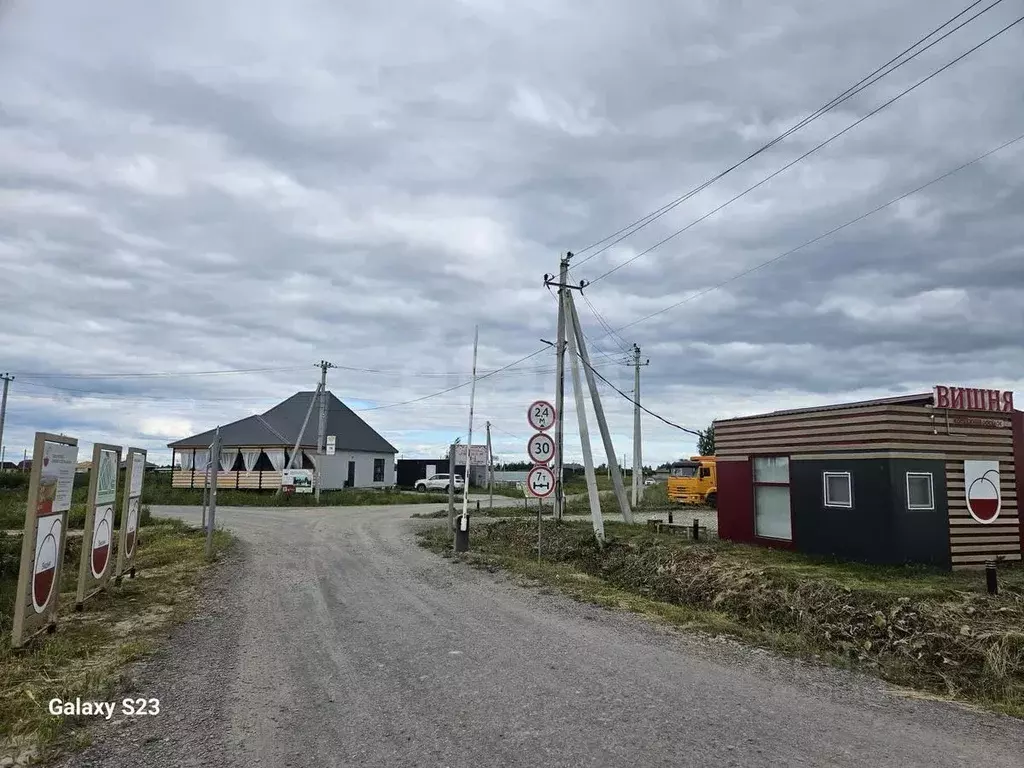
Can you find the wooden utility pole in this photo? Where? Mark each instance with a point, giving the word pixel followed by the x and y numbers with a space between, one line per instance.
pixel 451 486
pixel 609 449
pixel 464 523
pixel 563 276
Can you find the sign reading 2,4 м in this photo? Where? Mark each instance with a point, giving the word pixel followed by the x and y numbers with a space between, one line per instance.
pixel 541 415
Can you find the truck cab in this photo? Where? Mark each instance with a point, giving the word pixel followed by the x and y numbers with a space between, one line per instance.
pixel 694 481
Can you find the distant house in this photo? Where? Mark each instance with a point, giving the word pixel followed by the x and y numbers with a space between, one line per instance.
pixel 25 465
pixel 256 449
pixel 8 466
pixel 82 467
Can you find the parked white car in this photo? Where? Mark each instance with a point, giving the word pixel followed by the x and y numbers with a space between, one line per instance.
pixel 439 483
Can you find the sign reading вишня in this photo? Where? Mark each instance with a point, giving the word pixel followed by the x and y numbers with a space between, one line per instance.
pixel 965 399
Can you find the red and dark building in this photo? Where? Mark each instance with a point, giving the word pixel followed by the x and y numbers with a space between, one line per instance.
pixel 931 478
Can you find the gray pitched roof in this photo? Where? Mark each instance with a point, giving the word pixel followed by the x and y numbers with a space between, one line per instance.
pixel 279 427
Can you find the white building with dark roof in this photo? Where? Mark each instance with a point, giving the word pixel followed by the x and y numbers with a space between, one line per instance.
pixel 256 449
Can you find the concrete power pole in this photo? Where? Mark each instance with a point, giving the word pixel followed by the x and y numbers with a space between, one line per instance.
pixel 490 467
pixel 321 432
pixel 563 276
pixel 638 455
pixel 7 378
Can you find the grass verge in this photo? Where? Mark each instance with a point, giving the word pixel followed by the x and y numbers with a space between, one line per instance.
pixel 87 656
pixel 919 628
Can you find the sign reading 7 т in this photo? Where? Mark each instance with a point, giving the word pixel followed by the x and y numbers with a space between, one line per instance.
pixel 541 415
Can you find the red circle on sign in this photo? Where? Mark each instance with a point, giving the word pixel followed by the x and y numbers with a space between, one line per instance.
pixel 543 489
pixel 541 448
pixel 541 415
pixel 983 500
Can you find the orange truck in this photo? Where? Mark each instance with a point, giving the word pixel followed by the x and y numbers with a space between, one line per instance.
pixel 694 481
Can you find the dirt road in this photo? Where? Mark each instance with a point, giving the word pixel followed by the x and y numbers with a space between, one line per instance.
pixel 333 640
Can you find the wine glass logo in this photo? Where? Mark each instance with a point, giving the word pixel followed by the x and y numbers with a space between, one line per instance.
pixel 983 496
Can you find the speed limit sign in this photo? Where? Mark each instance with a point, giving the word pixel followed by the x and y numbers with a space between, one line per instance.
pixel 541 415
pixel 541 448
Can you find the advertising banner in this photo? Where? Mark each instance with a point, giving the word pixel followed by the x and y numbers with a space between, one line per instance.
pixel 95 567
pixel 42 549
pixel 135 466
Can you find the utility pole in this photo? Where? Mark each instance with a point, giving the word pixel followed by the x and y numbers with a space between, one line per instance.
pixel 581 416
pixel 451 486
pixel 7 378
pixel 638 455
pixel 602 423
pixel 563 276
pixel 490 467
pixel 464 522
pixel 215 470
pixel 321 434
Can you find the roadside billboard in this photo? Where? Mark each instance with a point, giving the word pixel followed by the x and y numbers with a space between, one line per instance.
pixel 42 547
pixel 135 468
pixel 94 569
pixel 297 481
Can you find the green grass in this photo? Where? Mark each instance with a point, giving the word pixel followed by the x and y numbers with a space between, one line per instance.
pixel 87 655
pixel 916 627
pixel 157 490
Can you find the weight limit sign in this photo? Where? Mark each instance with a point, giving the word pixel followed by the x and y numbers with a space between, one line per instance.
pixel 540 482
pixel 541 448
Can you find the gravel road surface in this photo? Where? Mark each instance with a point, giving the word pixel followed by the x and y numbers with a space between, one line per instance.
pixel 333 640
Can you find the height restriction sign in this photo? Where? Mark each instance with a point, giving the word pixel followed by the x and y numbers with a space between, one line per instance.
pixel 541 415
pixel 540 482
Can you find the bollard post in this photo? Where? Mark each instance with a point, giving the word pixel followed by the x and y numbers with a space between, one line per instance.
pixel 462 533
pixel 991 578
pixel 670 515
pixel 478 506
pixel 696 528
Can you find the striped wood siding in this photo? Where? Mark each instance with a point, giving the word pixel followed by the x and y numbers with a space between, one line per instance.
pixel 972 543
pixel 183 478
pixel 894 431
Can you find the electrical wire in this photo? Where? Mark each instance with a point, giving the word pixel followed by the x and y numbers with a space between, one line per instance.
pixel 636 226
pixel 811 151
pixel 829 233
pixel 634 402
pixel 163 374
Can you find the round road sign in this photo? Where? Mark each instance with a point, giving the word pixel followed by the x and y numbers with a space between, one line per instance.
pixel 540 482
pixel 541 448
pixel 541 415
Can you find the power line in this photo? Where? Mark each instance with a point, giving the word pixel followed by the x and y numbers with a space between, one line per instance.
pixel 634 402
pixel 849 93
pixel 824 235
pixel 810 152
pixel 163 374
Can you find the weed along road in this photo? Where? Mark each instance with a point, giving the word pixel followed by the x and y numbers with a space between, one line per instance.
pixel 333 639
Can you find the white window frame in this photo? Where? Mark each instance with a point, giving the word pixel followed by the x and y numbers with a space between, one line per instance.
pixel 849 484
pixel 931 492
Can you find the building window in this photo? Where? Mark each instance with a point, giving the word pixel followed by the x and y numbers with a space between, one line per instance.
pixel 772 518
pixel 919 491
pixel 378 470
pixel 838 489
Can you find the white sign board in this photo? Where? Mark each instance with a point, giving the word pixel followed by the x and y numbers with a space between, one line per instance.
pixel 298 480
pixel 477 455
pixel 541 448
pixel 541 415
pixel 984 498
pixel 332 441
pixel 540 483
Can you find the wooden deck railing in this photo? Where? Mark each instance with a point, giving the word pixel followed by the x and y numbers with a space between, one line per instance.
pixel 183 478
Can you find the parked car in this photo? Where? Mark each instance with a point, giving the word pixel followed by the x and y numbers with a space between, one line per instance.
pixel 439 483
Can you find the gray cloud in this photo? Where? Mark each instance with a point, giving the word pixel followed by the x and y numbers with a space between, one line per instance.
pixel 196 187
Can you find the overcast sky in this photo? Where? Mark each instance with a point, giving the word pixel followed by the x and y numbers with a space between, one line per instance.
pixel 197 186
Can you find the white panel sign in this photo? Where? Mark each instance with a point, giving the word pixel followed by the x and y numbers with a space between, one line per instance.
pixel 331 443
pixel 477 455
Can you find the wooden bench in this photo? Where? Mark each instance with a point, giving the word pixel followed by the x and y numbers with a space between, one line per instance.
pixel 682 529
